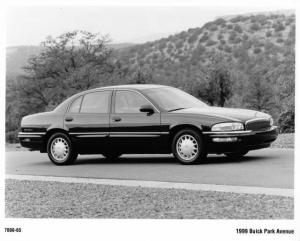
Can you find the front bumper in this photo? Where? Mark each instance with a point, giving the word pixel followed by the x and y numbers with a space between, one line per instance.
pixel 235 141
pixel 32 140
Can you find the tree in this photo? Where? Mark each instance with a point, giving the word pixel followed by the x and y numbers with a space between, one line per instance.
pixel 141 75
pixel 72 62
pixel 259 93
pixel 218 85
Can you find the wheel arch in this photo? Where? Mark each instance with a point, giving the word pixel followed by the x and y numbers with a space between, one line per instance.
pixel 176 128
pixel 49 133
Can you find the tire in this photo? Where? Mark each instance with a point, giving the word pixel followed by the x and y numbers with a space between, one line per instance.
pixel 61 150
pixel 188 147
pixel 112 155
pixel 236 155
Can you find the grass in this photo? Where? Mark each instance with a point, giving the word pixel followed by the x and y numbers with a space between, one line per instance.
pixel 36 199
pixel 284 141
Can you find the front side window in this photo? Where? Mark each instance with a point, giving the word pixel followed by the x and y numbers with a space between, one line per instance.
pixel 96 102
pixel 129 102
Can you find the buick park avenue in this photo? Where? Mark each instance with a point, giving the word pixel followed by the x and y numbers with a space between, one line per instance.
pixel 133 119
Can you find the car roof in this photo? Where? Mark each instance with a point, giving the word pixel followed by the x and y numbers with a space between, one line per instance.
pixel 132 86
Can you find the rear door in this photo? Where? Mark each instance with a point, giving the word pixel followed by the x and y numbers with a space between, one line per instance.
pixel 132 131
pixel 87 121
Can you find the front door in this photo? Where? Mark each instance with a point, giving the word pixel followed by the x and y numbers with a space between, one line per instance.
pixel 87 121
pixel 132 131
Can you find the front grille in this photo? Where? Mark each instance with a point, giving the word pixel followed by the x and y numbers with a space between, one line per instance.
pixel 258 124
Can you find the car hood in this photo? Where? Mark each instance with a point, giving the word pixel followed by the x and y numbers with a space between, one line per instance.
pixel 233 114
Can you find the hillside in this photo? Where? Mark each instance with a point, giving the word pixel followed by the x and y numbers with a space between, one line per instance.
pixel 238 37
pixel 17 57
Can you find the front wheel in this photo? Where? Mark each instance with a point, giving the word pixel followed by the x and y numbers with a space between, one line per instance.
pixel 61 150
pixel 188 147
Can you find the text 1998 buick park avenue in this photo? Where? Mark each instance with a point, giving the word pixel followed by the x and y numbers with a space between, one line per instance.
pixel 144 119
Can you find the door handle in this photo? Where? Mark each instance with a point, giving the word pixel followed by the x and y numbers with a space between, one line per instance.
pixel 69 119
pixel 116 119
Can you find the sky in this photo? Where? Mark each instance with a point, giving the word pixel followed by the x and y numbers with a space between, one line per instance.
pixel 30 25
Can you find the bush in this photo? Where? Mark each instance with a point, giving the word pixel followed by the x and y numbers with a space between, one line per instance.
pixel 238 19
pixel 232 36
pixel 268 34
pixel 210 42
pixel 238 28
pixel 12 136
pixel 204 38
pixel 213 28
pixel 229 26
pixel 257 50
pixel 227 49
pixel 286 121
pixel 278 26
pixel 193 38
pixel 255 27
pixel 221 22
pixel 245 37
pixel 279 40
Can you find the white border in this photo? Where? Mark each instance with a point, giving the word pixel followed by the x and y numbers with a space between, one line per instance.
pixel 48 229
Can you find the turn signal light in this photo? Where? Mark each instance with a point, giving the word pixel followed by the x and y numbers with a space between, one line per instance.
pixel 225 139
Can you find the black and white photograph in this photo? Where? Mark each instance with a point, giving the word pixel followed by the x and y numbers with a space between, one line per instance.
pixel 147 117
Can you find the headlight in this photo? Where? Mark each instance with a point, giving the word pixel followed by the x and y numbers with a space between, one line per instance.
pixel 229 126
pixel 271 121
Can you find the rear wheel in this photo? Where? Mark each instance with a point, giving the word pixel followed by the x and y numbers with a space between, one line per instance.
pixel 188 147
pixel 61 150
pixel 235 155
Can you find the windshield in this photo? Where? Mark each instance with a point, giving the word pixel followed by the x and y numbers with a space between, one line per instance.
pixel 171 99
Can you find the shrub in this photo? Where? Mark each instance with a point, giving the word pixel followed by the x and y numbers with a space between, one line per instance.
pixel 229 26
pixel 193 38
pixel 213 28
pixel 279 40
pixel 237 40
pixel 286 121
pixel 179 44
pixel 204 38
pixel 256 50
pixel 232 36
pixel 227 49
pixel 255 26
pixel 210 42
pixel 268 34
pixel 12 136
pixel 278 26
pixel 245 37
pixel 238 28
pixel 222 41
pixel 220 47
pixel 238 19
pixel 220 21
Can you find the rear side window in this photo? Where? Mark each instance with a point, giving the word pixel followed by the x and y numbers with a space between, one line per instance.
pixel 75 107
pixel 96 102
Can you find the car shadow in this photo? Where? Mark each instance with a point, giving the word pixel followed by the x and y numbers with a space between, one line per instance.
pixel 83 160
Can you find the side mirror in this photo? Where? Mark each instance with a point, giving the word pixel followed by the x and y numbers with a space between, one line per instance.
pixel 147 108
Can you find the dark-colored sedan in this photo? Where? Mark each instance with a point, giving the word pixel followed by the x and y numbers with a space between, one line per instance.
pixel 144 119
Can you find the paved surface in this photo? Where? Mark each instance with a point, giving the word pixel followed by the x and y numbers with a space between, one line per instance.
pixel 271 168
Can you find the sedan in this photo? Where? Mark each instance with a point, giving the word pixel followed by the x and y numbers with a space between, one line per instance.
pixel 135 119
